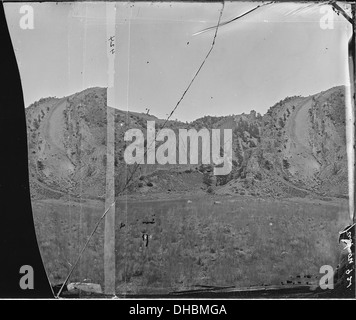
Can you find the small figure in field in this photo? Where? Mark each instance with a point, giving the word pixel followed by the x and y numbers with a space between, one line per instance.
pixel 145 239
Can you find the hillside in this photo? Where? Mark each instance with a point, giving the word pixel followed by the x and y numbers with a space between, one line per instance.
pixel 302 149
pixel 274 219
pixel 298 148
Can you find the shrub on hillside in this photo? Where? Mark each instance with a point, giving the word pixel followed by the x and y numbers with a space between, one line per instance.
pixel 40 165
pixel 286 164
pixel 210 190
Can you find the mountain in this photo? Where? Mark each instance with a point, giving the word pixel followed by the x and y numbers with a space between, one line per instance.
pixel 298 148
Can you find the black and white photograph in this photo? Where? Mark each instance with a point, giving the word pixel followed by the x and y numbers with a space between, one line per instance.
pixel 185 150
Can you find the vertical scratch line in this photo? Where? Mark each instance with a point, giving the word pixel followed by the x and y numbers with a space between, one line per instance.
pixel 109 224
pixel 127 109
pixel 127 181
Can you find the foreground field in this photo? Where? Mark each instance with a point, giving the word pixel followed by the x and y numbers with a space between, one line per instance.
pixel 225 241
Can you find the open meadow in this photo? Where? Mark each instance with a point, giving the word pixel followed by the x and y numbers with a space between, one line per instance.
pixel 179 244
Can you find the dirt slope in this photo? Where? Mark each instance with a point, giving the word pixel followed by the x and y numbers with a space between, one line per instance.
pixel 297 148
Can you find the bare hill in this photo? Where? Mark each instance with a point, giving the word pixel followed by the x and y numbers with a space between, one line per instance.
pixel 298 148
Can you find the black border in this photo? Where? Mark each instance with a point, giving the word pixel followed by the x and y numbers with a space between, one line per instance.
pixel 18 243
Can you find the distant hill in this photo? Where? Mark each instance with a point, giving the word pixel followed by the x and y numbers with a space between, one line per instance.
pixel 301 150
pixel 297 148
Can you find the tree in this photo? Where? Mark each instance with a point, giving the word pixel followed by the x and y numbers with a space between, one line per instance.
pixel 286 164
pixel 281 123
pixel 40 165
pixel 36 123
pixel 207 179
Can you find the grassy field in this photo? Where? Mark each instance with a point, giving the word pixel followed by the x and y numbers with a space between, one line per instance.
pixel 240 241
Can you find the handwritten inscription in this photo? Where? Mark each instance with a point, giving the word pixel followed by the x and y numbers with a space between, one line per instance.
pixel 350 259
pixel 112 44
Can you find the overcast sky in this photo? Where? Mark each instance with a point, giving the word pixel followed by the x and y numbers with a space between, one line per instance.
pixel 273 52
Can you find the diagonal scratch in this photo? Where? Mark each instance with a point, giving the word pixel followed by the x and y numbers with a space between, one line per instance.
pixel 181 98
pixel 147 148
pixel 340 10
pixel 202 64
pixel 234 19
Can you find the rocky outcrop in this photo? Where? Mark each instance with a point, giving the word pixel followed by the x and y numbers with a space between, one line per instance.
pixel 297 148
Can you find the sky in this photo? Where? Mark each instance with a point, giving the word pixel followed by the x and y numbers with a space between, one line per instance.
pixel 276 51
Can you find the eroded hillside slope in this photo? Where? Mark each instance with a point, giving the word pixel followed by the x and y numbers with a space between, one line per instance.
pixel 298 148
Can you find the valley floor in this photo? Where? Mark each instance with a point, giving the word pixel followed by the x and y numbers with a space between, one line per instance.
pixel 206 240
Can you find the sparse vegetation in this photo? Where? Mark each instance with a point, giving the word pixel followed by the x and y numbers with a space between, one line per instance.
pixel 40 165
pixel 286 164
pixel 210 189
pixel 200 243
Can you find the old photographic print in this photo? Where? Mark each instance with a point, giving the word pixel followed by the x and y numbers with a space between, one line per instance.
pixel 189 149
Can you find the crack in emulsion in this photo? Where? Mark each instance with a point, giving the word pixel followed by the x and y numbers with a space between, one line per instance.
pixel 351 53
pixel 180 100
pixel 234 19
pixel 137 165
